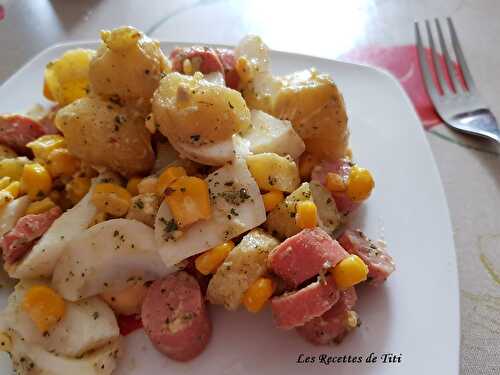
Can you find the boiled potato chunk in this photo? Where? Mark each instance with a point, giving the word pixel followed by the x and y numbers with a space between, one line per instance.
pixel 269 134
pixel 242 267
pixel 67 78
pixel 311 101
pixel 193 113
pixel 315 106
pixel 274 172
pixel 105 134
pixel 281 220
pixel 128 66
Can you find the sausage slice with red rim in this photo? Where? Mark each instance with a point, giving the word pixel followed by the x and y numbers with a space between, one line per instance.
pixel 175 317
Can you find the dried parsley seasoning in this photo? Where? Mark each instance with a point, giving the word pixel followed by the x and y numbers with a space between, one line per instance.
pixel 235 197
pixel 170 226
pixel 139 204
pixel 234 212
pixel 271 180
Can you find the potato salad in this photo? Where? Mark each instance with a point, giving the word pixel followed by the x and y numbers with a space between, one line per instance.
pixel 160 183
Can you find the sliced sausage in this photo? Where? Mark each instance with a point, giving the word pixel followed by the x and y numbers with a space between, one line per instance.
pixel 342 167
pixel 18 130
pixel 333 325
pixel 207 60
pixel 229 63
pixel 297 308
pixel 380 263
pixel 175 317
pixel 305 255
pixel 20 239
pixel 204 59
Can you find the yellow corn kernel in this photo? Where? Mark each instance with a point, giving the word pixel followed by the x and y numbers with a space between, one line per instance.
pixel 36 181
pixel 9 193
pixel 188 200
pixel 258 294
pixel 352 319
pixel 359 184
pixel 40 206
pixel 13 167
pixel 210 260
pixel 187 67
pixel 272 199
pixel 4 182
pixel 112 199
pixel 244 70
pixel 307 215
pixel 147 185
pixel 44 306
pixel 127 301
pixel 45 144
pixel 132 185
pixel 61 163
pixel 77 188
pixel 13 188
pixel 5 342
pixel 335 183
pixel 99 217
pixel 167 177
pixel 349 272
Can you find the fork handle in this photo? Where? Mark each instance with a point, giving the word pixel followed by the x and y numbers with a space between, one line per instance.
pixel 481 122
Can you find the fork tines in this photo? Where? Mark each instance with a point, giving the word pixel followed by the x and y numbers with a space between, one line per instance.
pixel 456 85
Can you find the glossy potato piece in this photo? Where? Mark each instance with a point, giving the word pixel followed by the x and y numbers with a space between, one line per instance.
pixel 242 267
pixel 128 66
pixel 281 220
pixel 316 109
pixel 192 112
pixel 67 78
pixel 105 134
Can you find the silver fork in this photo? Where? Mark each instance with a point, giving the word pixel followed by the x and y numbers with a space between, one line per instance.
pixel 460 107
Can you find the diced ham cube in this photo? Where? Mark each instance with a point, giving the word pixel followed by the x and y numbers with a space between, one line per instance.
pixel 18 130
pixel 380 263
pixel 294 309
pixel 332 326
pixel 342 167
pixel 20 239
pixel 305 255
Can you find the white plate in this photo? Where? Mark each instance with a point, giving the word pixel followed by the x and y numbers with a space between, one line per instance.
pixel 415 314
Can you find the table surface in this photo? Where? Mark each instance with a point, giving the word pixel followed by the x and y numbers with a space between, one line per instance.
pixel 377 32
